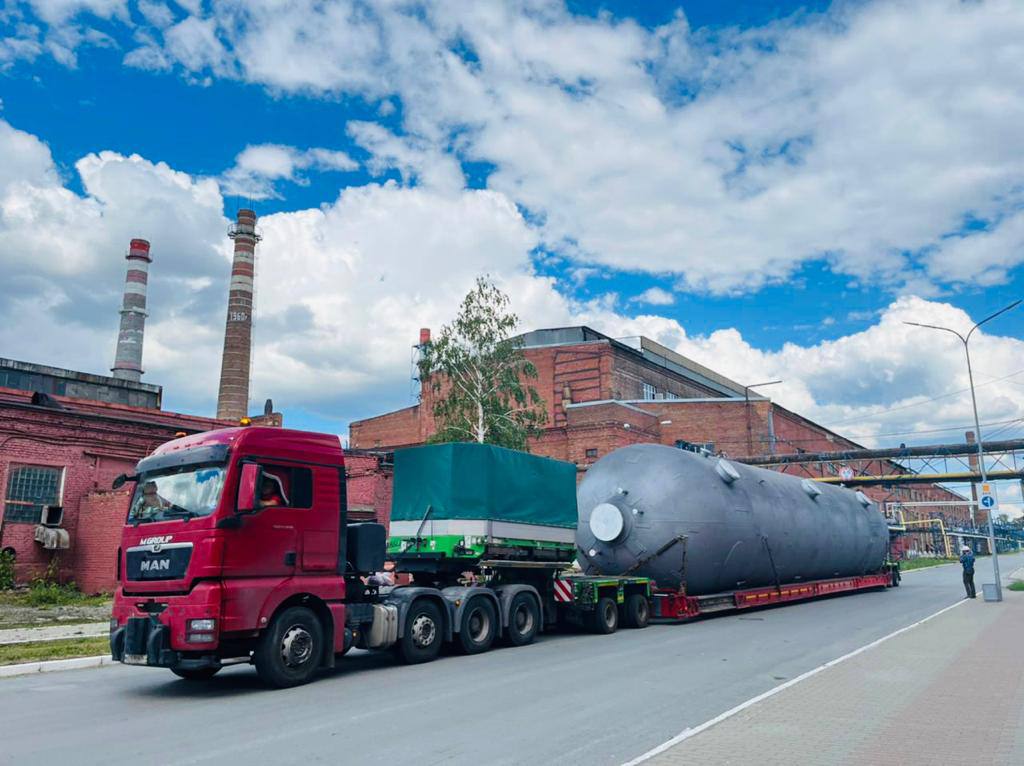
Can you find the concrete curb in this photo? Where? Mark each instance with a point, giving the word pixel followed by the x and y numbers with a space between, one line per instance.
pixel 49 666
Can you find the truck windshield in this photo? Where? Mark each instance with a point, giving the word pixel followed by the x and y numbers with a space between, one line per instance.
pixel 179 493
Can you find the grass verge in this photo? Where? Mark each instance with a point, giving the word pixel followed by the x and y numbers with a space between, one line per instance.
pixel 907 565
pixel 50 595
pixel 39 651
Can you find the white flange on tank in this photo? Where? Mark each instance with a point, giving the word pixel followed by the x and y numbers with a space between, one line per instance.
pixel 644 508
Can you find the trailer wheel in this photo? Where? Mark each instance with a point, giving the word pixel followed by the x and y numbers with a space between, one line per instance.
pixel 195 674
pixel 289 651
pixel 523 620
pixel 637 611
pixel 478 627
pixel 424 632
pixel 606 616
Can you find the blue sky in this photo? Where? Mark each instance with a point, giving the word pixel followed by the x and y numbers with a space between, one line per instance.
pixel 766 186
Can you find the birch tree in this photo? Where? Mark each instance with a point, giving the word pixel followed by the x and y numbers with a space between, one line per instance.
pixel 480 377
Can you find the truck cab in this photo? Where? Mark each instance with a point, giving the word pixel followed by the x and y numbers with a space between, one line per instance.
pixel 237 548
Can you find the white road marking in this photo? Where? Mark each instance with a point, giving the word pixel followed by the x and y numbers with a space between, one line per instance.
pixel 685 734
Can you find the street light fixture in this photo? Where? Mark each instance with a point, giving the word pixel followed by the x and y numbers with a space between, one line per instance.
pixel 746 400
pixel 965 339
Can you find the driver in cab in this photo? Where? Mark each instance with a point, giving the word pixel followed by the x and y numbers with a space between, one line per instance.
pixel 272 492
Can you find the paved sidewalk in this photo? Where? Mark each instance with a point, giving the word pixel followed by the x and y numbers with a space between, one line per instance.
pixel 950 691
pixel 53 632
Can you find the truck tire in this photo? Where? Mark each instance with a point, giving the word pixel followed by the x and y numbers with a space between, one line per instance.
pixel 637 611
pixel 195 674
pixel 523 620
pixel 605 618
pixel 423 635
pixel 289 651
pixel 478 627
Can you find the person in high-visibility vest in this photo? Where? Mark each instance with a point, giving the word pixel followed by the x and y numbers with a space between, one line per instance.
pixel 967 562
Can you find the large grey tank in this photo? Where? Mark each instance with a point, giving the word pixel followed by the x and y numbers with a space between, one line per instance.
pixel 744 527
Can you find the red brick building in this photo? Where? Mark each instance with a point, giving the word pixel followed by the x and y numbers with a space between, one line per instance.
pixel 602 394
pixel 64 436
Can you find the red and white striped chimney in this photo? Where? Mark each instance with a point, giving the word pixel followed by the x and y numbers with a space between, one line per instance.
pixel 128 357
pixel 233 395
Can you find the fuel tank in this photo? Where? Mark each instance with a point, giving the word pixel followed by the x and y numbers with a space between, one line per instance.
pixel 716 526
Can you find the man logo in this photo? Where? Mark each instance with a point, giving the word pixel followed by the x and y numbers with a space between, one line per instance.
pixel 155 565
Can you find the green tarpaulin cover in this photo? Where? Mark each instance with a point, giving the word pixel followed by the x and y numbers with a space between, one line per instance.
pixel 480 481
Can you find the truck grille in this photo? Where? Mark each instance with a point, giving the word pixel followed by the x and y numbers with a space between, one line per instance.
pixel 155 562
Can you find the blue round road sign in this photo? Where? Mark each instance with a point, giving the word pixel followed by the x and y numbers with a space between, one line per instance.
pixel 988 501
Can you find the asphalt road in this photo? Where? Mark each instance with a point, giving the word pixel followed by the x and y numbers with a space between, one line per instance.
pixel 566 699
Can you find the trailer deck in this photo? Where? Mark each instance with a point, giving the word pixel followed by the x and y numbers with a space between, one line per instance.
pixel 676 606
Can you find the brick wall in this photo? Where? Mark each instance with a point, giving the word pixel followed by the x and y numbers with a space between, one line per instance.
pixel 91 442
pixel 101 516
pixel 368 487
pixel 393 429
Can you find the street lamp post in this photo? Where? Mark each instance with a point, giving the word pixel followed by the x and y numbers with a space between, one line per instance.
pixel 965 339
pixel 746 400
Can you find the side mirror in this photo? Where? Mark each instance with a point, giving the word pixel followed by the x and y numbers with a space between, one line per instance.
pixel 248 488
pixel 121 480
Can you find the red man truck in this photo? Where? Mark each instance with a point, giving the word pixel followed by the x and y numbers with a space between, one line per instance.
pixel 237 549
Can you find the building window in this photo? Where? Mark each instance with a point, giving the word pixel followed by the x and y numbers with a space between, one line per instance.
pixel 698 447
pixel 649 391
pixel 592 452
pixel 29 488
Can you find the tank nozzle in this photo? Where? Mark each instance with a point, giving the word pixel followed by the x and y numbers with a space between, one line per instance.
pixel 606 522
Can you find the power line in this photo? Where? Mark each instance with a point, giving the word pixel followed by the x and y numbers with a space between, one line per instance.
pixel 939 430
pixel 918 404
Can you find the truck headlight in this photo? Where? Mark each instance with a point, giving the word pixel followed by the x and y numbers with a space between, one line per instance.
pixel 202 626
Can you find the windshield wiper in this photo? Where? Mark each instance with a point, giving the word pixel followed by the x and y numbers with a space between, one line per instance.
pixel 177 511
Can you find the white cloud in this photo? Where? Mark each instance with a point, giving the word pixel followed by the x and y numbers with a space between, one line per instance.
pixel 342 291
pixel 56 11
pixel 655 296
pixel 982 257
pixel 259 166
pixel 852 136
pixel 156 13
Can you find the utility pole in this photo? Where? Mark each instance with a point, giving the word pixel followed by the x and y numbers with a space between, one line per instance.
pixel 746 400
pixel 977 426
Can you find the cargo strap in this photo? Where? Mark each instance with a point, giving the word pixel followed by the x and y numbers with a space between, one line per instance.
pixel 771 560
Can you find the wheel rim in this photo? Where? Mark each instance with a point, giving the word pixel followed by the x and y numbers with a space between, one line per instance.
pixel 609 614
pixel 296 646
pixel 479 625
pixel 642 612
pixel 423 631
pixel 523 620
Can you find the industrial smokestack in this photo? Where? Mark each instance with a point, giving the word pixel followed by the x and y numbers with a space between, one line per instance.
pixel 233 395
pixel 128 357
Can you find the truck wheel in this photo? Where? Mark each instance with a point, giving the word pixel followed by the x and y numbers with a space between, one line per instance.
pixel 606 616
pixel 478 627
pixel 637 611
pixel 523 620
pixel 423 634
pixel 195 674
pixel 289 651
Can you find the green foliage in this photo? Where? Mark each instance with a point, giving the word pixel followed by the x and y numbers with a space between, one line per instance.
pixel 920 563
pixel 39 651
pixel 6 570
pixel 43 592
pixel 1016 585
pixel 479 375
